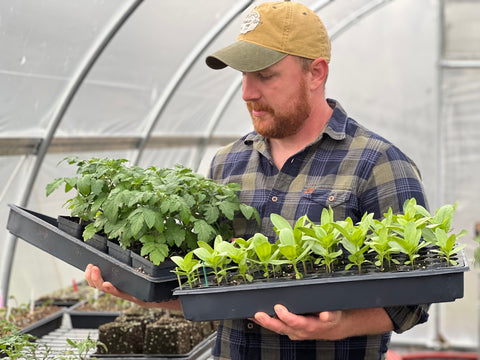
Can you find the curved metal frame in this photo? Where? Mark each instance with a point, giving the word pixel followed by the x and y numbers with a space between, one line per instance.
pixel 158 108
pixel 84 67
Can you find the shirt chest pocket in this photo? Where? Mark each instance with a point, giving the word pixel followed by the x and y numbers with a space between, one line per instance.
pixel 313 201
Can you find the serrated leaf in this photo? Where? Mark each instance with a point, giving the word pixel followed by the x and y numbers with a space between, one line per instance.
pixel 150 217
pixel 89 231
pixel 54 185
pixel 175 234
pixel 110 209
pixel 203 230
pixel 211 213
pixel 227 209
pixel 158 254
pixel 83 184
pixel 136 224
pixel 97 186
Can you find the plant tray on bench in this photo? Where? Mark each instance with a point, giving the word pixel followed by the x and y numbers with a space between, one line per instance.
pixel 344 290
pixel 42 231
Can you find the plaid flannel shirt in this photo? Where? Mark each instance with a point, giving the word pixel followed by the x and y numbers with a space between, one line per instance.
pixel 348 168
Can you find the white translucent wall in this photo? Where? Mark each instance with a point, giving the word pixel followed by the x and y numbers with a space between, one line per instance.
pixel 407 69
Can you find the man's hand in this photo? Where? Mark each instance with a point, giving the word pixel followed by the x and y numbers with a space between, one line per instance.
pixel 327 325
pixel 94 279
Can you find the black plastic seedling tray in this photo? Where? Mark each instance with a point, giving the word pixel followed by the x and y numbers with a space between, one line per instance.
pixel 201 351
pixel 325 293
pixel 52 332
pixel 42 231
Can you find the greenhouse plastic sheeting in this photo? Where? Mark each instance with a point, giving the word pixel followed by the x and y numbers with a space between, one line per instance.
pixel 127 79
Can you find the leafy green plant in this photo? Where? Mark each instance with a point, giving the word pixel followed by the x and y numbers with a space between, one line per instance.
pixel 237 252
pixel 410 243
pixel 387 238
pixel 186 266
pixel 380 238
pixel 159 211
pixel 96 178
pixel 324 240
pixel 354 239
pixel 16 345
pixel 412 212
pixel 214 258
pixel 267 254
pixel 81 348
pixel 476 252
pixel 446 244
pixel 291 244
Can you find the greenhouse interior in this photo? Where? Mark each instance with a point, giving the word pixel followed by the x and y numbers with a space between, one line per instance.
pixel 127 79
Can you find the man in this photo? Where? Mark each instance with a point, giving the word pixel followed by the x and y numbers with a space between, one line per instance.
pixel 304 155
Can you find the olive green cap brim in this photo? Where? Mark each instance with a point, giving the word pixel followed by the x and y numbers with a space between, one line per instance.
pixel 244 56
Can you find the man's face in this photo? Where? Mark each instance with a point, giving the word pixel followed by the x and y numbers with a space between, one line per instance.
pixel 277 98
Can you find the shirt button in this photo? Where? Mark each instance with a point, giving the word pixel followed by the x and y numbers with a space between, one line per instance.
pixel 274 198
pixel 250 326
pixel 331 198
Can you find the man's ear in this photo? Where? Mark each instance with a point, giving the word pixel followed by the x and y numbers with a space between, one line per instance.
pixel 319 73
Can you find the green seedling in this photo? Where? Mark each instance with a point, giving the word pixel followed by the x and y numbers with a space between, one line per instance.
pixel 441 220
pixel 353 240
pixel 267 254
pixel 188 267
pixel 238 255
pixel 213 258
pixel 412 212
pixel 411 242
pixel 82 348
pixel 379 240
pixel 446 244
pixel 324 245
pixel 15 345
pixel 324 240
pixel 291 242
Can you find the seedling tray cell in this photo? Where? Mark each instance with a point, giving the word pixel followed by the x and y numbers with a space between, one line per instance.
pixel 327 293
pixel 42 231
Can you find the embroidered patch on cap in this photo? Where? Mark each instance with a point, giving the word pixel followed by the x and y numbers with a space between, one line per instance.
pixel 250 22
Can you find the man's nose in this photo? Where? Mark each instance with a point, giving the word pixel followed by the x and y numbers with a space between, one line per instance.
pixel 250 90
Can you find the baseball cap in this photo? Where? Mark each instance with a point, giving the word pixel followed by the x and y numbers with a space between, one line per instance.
pixel 271 31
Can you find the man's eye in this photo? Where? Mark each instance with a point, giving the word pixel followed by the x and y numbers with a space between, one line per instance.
pixel 264 76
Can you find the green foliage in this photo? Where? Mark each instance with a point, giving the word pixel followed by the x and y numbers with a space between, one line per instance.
pixel 446 244
pixel 186 266
pixel 214 258
pixel 81 348
pixel 437 232
pixel 291 244
pixel 267 254
pixel 324 239
pixel 162 209
pixel 476 252
pixel 354 239
pixel 407 233
pixel 410 242
pixel 379 240
pixel 16 345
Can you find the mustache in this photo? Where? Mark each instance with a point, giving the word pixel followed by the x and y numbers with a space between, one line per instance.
pixel 251 105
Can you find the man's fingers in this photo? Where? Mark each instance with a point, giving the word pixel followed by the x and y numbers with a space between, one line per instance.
pixel 329 316
pixel 88 275
pixel 270 323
